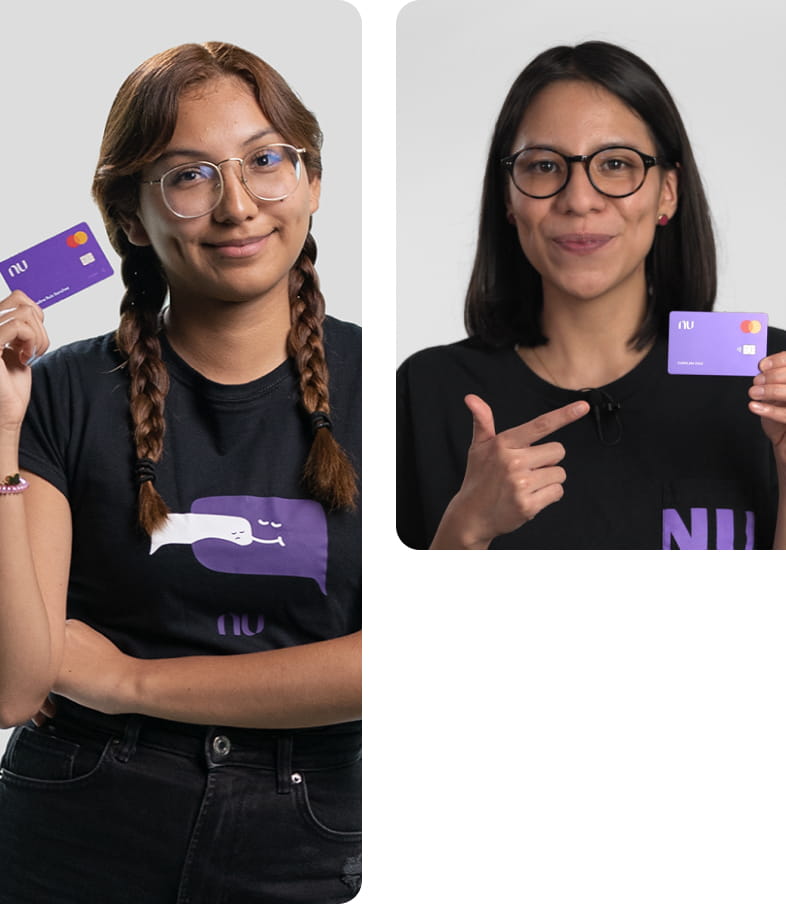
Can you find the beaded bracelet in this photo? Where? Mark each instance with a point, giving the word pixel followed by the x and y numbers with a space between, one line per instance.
pixel 13 484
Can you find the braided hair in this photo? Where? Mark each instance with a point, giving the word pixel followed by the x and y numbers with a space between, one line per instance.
pixel 140 124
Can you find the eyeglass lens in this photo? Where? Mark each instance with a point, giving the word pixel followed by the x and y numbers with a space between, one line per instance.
pixel 540 172
pixel 269 173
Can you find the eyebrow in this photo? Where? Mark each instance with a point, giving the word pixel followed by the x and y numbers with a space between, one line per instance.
pixel 201 155
pixel 605 145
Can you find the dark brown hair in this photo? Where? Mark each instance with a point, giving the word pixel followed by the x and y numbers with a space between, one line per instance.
pixel 505 296
pixel 140 124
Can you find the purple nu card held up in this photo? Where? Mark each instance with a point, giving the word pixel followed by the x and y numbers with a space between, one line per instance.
pixel 58 267
pixel 716 343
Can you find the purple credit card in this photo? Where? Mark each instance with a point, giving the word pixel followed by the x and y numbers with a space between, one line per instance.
pixel 58 267
pixel 716 343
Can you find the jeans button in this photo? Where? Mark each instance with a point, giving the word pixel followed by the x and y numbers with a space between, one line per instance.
pixel 221 746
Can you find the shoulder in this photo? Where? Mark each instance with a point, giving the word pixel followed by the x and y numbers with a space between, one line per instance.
pixel 342 337
pixel 469 354
pixel 343 356
pixel 98 354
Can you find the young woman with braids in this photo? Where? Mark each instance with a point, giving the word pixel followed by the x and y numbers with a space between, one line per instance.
pixel 181 551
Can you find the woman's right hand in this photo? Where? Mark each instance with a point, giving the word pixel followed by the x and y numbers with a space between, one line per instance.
pixel 508 479
pixel 22 338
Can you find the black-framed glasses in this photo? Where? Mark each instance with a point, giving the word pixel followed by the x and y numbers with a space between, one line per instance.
pixel 616 172
pixel 269 173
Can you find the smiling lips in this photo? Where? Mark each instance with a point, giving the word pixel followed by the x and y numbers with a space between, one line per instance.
pixel 240 247
pixel 581 242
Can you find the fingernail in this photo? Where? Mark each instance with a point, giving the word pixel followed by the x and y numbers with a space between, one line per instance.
pixel 757 392
pixel 765 364
pixel 7 311
pixel 7 320
pixel 757 408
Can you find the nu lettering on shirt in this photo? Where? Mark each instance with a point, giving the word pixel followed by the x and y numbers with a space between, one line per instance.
pixel 708 528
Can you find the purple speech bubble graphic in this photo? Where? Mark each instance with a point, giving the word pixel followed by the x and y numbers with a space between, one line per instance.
pixel 253 535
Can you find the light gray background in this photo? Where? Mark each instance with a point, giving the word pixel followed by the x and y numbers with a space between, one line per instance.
pixel 59 75
pixel 60 68
pixel 456 62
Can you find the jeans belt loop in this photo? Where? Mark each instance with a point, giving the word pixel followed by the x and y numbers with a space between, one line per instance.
pixel 284 764
pixel 130 738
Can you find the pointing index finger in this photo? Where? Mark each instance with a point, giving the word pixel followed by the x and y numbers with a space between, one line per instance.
pixel 540 427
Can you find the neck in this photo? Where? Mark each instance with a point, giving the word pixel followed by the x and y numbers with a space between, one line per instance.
pixel 589 341
pixel 230 343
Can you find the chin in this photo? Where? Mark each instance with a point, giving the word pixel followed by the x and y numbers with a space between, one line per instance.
pixel 582 294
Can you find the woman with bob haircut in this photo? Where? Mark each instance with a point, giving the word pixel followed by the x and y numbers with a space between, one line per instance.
pixel 593 228
pixel 179 527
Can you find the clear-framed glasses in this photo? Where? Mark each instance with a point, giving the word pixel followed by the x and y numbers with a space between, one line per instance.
pixel 269 173
pixel 615 172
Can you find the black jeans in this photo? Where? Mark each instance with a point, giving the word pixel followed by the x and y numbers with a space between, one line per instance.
pixel 133 810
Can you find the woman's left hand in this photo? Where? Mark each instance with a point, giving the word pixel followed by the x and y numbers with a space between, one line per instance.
pixel 94 672
pixel 768 399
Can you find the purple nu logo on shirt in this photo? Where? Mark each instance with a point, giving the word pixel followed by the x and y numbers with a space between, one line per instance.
pixel 252 535
pixel 733 530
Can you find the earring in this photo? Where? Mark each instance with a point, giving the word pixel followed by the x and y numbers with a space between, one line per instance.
pixel 663 220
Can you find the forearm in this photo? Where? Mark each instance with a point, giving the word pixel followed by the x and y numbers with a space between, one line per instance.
pixel 779 542
pixel 456 532
pixel 28 648
pixel 26 666
pixel 295 687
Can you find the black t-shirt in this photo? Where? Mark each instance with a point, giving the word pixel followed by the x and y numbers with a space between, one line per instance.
pixel 246 562
pixel 681 463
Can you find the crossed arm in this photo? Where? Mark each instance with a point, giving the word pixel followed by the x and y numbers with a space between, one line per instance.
pixel 313 684
pixel 40 651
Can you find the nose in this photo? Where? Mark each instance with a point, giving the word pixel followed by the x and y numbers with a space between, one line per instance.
pixel 237 203
pixel 580 196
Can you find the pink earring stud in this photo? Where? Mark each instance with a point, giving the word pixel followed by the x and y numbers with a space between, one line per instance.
pixel 663 220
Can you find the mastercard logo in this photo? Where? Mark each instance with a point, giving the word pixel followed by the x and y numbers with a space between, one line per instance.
pixel 76 239
pixel 750 326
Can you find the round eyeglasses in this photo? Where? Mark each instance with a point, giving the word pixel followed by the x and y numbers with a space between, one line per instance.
pixel 615 172
pixel 270 173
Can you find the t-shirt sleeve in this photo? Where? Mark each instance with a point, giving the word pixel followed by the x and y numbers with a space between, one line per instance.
pixel 409 511
pixel 47 426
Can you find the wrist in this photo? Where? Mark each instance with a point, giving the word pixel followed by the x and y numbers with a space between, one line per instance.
pixel 457 530
pixel 130 691
pixel 9 448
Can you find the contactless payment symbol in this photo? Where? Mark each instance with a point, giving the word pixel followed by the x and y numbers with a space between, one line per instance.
pixel 57 267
